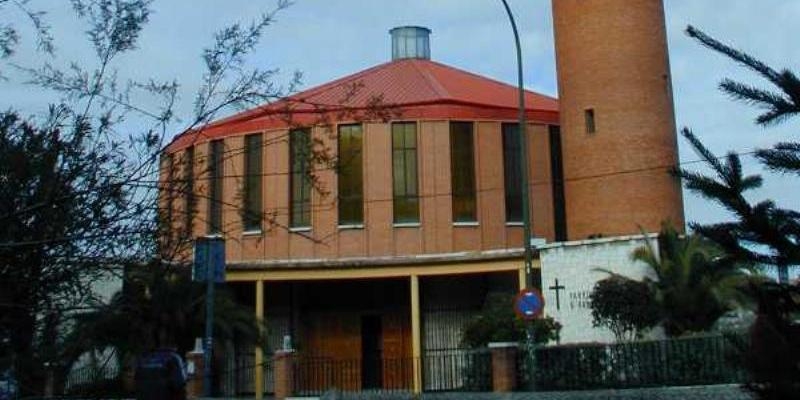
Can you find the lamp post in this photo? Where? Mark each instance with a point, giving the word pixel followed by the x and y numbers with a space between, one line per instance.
pixel 526 220
pixel 523 143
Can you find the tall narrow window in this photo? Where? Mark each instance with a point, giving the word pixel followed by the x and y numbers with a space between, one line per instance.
pixel 557 172
pixel 300 190
pixel 188 191
pixel 351 175
pixel 169 192
pixel 590 122
pixel 462 172
pixel 512 172
pixel 404 172
pixel 251 217
pixel 216 171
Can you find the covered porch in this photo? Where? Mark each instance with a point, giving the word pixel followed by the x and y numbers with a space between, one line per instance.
pixel 369 328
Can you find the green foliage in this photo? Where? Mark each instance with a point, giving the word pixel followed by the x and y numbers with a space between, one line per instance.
pixel 694 283
pixel 772 353
pixel 689 361
pixel 161 307
pixel 779 105
pixel 762 233
pixel 79 197
pixel 497 322
pixel 63 215
pixel 624 306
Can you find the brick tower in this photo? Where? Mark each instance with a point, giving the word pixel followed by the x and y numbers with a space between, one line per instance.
pixel 617 117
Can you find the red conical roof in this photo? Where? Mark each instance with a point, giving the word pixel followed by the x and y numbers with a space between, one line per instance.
pixel 409 88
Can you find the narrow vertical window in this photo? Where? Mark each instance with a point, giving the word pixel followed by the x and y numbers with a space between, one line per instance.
pixel 462 172
pixel 252 183
pixel 590 122
pixel 216 170
pixel 300 183
pixel 351 175
pixel 404 172
pixel 188 191
pixel 557 173
pixel 169 189
pixel 512 172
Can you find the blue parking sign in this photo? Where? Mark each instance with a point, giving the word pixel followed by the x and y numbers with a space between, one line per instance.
pixel 209 260
pixel 217 259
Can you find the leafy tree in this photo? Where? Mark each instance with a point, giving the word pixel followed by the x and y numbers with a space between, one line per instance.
pixel 762 233
pixel 497 322
pixel 694 282
pixel 624 306
pixel 14 10
pixel 78 188
pixel 63 213
pixel 95 203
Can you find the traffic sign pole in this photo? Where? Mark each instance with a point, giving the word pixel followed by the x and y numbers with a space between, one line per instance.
pixel 529 306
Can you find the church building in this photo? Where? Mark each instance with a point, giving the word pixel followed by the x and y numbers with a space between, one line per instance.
pixel 368 218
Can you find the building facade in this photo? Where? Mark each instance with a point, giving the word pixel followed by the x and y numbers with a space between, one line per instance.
pixel 368 218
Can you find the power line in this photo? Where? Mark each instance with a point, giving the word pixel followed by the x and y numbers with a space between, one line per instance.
pixel 275 212
pixel 666 168
pixel 281 211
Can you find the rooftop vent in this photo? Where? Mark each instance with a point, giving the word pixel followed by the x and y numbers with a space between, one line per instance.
pixel 411 42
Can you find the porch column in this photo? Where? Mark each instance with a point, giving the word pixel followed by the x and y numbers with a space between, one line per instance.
pixel 416 342
pixel 258 384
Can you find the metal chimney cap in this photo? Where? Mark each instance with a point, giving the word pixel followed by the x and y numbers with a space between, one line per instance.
pixel 410 42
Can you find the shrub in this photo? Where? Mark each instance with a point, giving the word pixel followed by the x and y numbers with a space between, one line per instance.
pixel 624 306
pixel 497 322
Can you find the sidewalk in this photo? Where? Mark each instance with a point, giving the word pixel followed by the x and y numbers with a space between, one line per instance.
pixel 728 392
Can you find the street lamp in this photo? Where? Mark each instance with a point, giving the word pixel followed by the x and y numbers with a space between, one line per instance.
pixel 523 143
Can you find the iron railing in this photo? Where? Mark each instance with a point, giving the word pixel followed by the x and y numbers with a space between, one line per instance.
pixel 442 371
pixel 457 370
pixel 703 360
pixel 707 360
pixel 235 379
pixel 313 376
pixel 92 381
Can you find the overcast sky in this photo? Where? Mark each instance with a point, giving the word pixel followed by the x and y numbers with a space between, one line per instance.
pixel 327 39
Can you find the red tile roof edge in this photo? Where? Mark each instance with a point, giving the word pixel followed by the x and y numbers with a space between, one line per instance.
pixel 258 114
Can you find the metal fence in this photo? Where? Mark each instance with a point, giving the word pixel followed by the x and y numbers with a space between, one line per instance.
pixel 709 360
pixel 704 360
pixel 314 376
pixel 459 370
pixel 93 381
pixel 238 378
pixel 455 370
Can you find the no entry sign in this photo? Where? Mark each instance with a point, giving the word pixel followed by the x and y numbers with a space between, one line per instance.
pixel 529 304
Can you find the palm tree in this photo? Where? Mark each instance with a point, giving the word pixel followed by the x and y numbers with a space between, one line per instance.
pixel 694 283
pixel 161 307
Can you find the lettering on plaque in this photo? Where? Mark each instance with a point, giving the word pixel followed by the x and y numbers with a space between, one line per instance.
pixel 580 299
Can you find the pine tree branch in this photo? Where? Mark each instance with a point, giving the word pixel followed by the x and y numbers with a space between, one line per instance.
pixel 783 157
